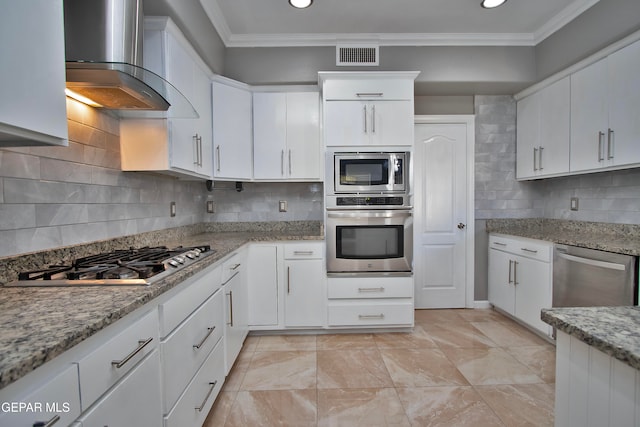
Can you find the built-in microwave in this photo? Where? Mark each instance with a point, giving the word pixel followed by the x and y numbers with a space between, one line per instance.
pixel 370 172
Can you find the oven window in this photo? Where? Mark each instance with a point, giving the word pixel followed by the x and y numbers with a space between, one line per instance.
pixel 370 242
pixel 364 171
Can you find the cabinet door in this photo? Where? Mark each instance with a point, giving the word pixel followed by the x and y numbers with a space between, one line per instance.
pixel 134 401
pixel 263 285
pixel 236 315
pixel 303 136
pixel 528 135
pixel 555 120
pixel 589 117
pixel 533 291
pixel 346 123
pixel 501 289
pixel 270 136
pixel 202 103
pixel 391 123
pixel 232 132
pixel 304 293
pixel 624 105
pixel 33 108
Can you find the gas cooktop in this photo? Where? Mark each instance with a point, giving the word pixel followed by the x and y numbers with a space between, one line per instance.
pixel 124 267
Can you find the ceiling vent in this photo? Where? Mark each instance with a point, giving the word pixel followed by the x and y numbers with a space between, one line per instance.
pixel 357 55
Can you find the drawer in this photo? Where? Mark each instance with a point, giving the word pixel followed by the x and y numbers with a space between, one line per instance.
pixel 530 248
pixel 188 346
pixel 134 401
pixel 363 89
pixel 198 398
pixel 370 313
pixel 59 397
pixel 372 287
pixel 180 306
pixel 304 251
pixel 231 266
pixel 98 371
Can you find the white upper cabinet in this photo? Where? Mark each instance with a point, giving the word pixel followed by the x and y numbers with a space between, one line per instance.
pixel 33 110
pixel 543 132
pixel 605 106
pixel 178 146
pixel 286 136
pixel 368 109
pixel 232 130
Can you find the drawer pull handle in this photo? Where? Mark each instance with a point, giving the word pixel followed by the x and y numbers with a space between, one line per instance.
pixel 197 346
pixel 371 316
pixel 235 267
pixel 49 423
pixel 380 289
pixel 141 344
pixel 204 402
pixel 370 94
pixel 303 252
pixel 532 251
pixel 230 294
pixel 499 243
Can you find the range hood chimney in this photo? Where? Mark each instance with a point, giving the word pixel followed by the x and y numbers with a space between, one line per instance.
pixel 103 44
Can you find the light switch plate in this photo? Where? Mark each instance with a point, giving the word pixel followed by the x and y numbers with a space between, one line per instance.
pixel 210 207
pixel 574 203
pixel 172 209
pixel 282 205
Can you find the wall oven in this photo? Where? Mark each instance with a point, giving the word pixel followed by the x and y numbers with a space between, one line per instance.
pixel 369 172
pixel 376 240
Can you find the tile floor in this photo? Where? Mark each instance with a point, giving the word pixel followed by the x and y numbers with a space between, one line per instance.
pixel 457 368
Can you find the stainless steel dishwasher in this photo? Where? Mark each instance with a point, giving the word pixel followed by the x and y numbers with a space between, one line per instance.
pixel 587 277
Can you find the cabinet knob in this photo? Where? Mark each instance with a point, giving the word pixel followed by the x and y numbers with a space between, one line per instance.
pixel 461 226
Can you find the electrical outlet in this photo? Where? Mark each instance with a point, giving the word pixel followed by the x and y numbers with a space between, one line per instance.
pixel 172 209
pixel 574 203
pixel 282 205
pixel 210 206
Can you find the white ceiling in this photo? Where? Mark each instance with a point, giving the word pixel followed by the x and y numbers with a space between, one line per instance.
pixel 253 23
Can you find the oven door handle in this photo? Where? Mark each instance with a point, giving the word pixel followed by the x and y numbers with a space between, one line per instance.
pixel 369 214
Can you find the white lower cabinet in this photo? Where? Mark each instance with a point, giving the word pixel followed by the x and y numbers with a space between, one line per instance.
pixel 304 293
pixel 370 301
pixel 134 401
pixel 57 402
pixel 262 281
pixel 194 404
pixel 236 316
pixel 184 351
pixel 520 275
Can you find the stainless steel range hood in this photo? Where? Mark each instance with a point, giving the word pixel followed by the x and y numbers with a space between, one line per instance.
pixel 103 43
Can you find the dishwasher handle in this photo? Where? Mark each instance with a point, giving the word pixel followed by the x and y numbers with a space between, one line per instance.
pixel 593 262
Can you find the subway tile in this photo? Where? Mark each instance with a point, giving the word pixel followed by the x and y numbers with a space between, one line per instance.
pixel 16 216
pixel 17 165
pixel 32 191
pixel 60 214
pixel 8 245
pixel 57 170
pixel 33 239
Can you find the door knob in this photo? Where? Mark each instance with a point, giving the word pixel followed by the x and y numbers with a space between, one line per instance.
pixel 461 226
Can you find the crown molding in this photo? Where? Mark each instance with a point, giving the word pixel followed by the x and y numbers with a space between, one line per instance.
pixel 565 16
pixel 382 39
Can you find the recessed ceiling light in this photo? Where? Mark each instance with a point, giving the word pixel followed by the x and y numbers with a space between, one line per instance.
pixel 300 4
pixel 490 4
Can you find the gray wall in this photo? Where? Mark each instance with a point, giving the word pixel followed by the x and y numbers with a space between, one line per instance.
pixel 258 201
pixel 58 196
pixel 604 23
pixel 443 70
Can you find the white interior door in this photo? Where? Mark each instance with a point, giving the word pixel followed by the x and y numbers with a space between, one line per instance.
pixel 442 221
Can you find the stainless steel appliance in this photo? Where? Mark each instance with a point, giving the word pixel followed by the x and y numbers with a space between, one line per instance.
pixel 375 240
pixel 126 267
pixel 587 277
pixel 369 172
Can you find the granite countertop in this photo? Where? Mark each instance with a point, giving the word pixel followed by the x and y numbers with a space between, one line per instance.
pixel 38 324
pixel 618 238
pixel 612 330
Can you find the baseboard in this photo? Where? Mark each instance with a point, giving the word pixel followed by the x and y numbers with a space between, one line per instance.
pixel 481 304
